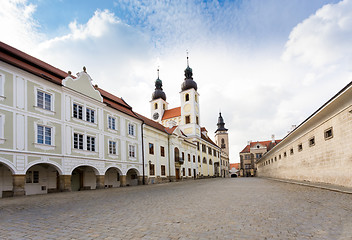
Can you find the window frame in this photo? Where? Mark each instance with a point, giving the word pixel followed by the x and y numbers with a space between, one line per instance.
pixel 131 129
pixel 132 151
pixel 151 148
pixel 44 137
pixel 162 151
pixel 112 147
pixel 330 129
pixel 112 122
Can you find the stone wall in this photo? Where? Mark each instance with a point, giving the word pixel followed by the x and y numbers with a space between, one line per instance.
pixel 327 159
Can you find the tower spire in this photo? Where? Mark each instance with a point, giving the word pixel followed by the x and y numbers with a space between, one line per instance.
pixel 158 72
pixel 187 59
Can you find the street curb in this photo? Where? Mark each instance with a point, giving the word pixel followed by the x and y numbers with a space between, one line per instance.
pixel 312 185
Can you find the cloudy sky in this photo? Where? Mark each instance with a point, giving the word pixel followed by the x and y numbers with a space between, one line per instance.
pixel 267 65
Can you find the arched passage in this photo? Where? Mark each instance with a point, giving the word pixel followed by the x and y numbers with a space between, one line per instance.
pixel 84 178
pixel 112 177
pixel 6 181
pixel 42 178
pixel 132 177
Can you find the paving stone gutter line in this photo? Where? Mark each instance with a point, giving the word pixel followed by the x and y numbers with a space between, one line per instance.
pixel 330 187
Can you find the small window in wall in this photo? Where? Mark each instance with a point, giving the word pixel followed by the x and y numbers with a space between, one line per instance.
pixel 197 120
pixel 300 147
pixel 131 151
pixel 188 119
pixel 163 172
pixel 151 169
pixel 328 134
pixel 189 172
pixel 183 172
pixel 204 160
pixel 151 148
pixel 155 106
pixel 32 177
pixel 189 157
pixel 210 162
pixel 90 113
pixel 279 156
pixel 43 100
pixel 198 146
pixel 285 154
pixel 196 98
pixel 112 147
pixel 77 111
pixel 204 148
pixel 275 159
pixel 209 150
pixel 187 97
pixel 162 151
pixel 194 158
pixel 90 143
pixel 183 156
pixel 131 130
pixel 312 142
pixel 199 159
pixel 214 152
pixel 112 123
pixel 291 151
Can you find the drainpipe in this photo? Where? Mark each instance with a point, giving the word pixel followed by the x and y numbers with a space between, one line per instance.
pixel 143 153
pixel 168 149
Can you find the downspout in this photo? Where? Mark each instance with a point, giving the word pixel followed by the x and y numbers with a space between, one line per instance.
pixel 168 149
pixel 143 153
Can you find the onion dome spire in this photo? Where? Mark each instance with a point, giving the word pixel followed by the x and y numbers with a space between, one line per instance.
pixel 158 93
pixel 221 124
pixel 188 83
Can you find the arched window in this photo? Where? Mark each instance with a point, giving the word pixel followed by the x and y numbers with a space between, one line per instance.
pixel 177 155
pixel 155 106
pixel 195 98
pixel 210 162
pixel 223 145
pixel 187 97
pixel 164 106
pixel 222 141
pixel 204 160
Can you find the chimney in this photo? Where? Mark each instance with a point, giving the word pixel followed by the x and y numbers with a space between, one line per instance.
pixel 273 138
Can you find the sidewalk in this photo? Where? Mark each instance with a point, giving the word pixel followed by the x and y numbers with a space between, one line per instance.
pixel 330 187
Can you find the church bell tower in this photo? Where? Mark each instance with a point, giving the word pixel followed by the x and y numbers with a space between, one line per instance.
pixel 221 135
pixel 158 104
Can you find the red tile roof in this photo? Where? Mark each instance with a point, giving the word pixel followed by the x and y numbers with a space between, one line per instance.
pixel 235 165
pixel 170 130
pixel 268 144
pixel 152 123
pixel 171 113
pixel 41 69
pixel 206 138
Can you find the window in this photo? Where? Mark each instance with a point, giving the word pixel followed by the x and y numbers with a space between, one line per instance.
pixel 183 156
pixel 197 120
pixel 210 162
pixel 112 147
pixel 112 123
pixel 247 166
pixel 196 98
pixel 163 170
pixel 194 158
pixel 187 97
pixel 189 172
pixel 258 155
pixel 275 159
pixel 285 155
pixel 90 115
pixel 279 156
pixel 131 151
pixel 91 143
pixel 43 100
pixel 209 150
pixel 32 177
pixel 183 172
pixel 131 129
pixel 162 151
pixel 223 145
pixel 291 151
pixel 198 146
pixel 328 133
pixel 189 157
pixel 151 169
pixel 204 160
pixel 199 159
pixel 204 148
pixel 300 147
pixel 187 119
pixel 77 111
pixel 177 155
pixel 151 148
pixel 78 141
pixel 312 142
pixel 155 106
pixel 214 152
pixel 164 106
pixel 44 135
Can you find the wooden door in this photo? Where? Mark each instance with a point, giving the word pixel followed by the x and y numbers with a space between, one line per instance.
pixel 177 173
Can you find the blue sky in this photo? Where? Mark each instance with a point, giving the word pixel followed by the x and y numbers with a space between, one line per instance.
pixel 266 64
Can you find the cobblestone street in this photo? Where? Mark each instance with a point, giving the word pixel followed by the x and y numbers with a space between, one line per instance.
pixel 242 208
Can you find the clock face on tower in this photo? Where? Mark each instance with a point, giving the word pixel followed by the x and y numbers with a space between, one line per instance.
pixel 155 116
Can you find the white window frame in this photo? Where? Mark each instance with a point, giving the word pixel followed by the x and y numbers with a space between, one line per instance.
pixel 44 100
pixel 2 87
pixel 132 149
pixel 73 110
pixel 112 147
pixel 90 143
pixel 78 142
pixel 90 115
pixel 133 131
pixel 2 128
pixel 112 123
pixel 43 145
pixel 44 134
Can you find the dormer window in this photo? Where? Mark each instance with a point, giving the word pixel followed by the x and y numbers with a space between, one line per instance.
pixel 187 97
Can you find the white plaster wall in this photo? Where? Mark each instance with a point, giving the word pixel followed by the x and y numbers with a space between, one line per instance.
pixel 5 179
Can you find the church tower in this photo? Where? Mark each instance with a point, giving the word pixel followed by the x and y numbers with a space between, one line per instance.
pixel 158 103
pixel 221 135
pixel 190 121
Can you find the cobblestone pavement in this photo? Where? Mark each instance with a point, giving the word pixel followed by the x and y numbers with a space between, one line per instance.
pixel 237 208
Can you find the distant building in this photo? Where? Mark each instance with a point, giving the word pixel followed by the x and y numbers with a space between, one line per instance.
pixel 234 169
pixel 252 153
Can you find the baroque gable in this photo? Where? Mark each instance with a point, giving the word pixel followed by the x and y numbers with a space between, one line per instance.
pixel 83 84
